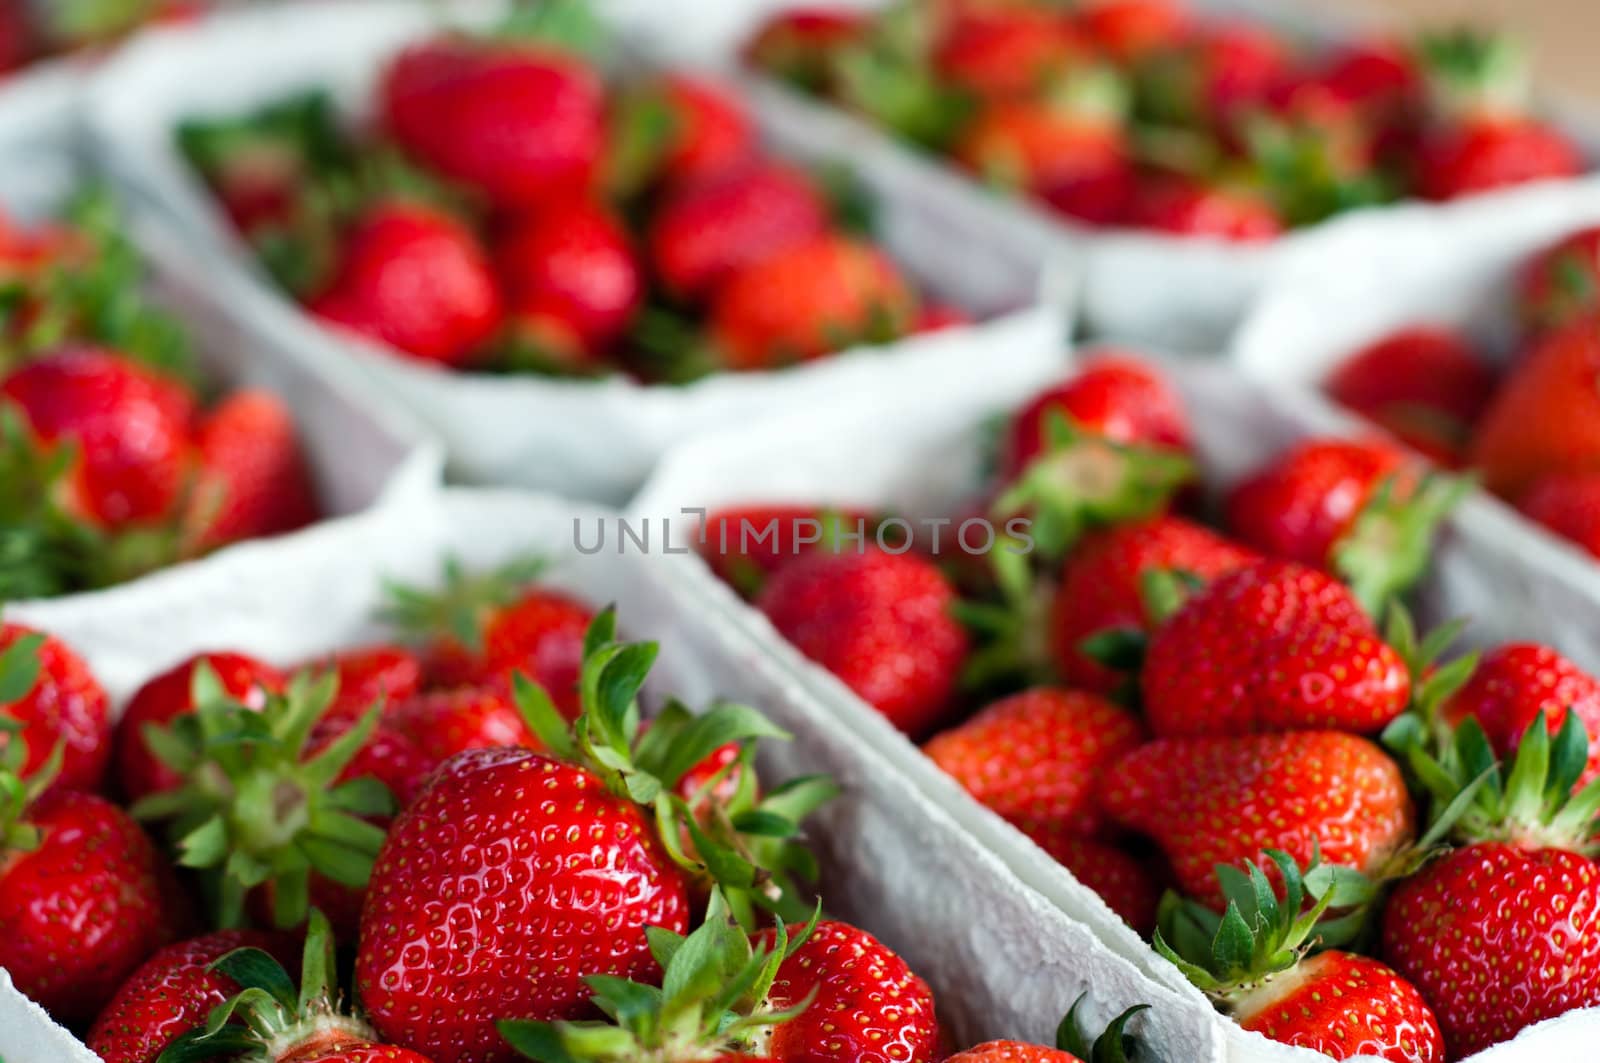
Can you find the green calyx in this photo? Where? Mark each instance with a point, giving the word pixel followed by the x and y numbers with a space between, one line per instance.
pixel 745 843
pixel 1114 1045
pixel 19 673
pixel 666 346
pixel 1311 175
pixel 1386 549
pixel 253 810
pixel 888 76
pixel 643 128
pixel 268 1019
pixel 565 25
pixel 1470 72
pixel 463 605
pixel 1084 481
pixel 1260 935
pixel 1012 633
pixel 712 1001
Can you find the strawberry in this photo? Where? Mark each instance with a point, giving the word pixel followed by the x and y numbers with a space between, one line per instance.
pixel 521 123
pixel 827 294
pixel 1073 1046
pixel 416 279
pixel 1546 416
pixel 706 230
pixel 1222 800
pixel 1252 963
pixel 1379 75
pixel 798 44
pixel 1116 396
pixel 1569 505
pixel 1121 879
pixel 169 696
pixel 1076 161
pixel 484 626
pixel 1006 51
pixel 1225 210
pixel 576 264
pixel 866 1005
pixel 745 545
pixel 380 673
pixel 1493 153
pixel 172 993
pixel 880 622
pixel 442 723
pixel 253 476
pixel 1101 593
pixel 55 702
pixel 1131 29
pixel 1514 684
pixel 129 424
pixel 1034 757
pixel 1273 646
pixel 675 130
pixel 1426 385
pixel 1211 76
pixel 1356 509
pixel 1561 283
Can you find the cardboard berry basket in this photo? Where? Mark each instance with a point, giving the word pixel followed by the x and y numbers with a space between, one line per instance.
pixel 1001 960
pixel 936 469
pixel 362 452
pixel 589 438
pixel 1186 294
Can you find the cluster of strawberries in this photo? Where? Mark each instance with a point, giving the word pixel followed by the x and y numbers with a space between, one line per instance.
pixel 1368 850
pixel 1533 434
pixel 518 862
pixel 1144 113
pixel 109 464
pixel 511 211
pixel 30 31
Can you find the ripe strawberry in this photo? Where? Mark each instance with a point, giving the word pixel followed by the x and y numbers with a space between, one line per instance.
pixel 57 702
pixel 869 1007
pixel 1225 210
pixel 1209 77
pixel 373 674
pixel 1513 684
pixel 1116 396
pixel 1493 153
pixel 1379 75
pixel 1131 29
pixel 1034 757
pixel 131 428
pixel 1073 1045
pixel 677 129
pixel 745 545
pixel 523 124
pixel 1569 505
pixel 1271 647
pixel 1006 51
pixel 1223 800
pixel 442 723
pixel 825 295
pixel 172 993
pixel 1101 593
pixel 1121 879
pixel 1343 1006
pixel 1356 509
pixel 706 230
pixel 416 279
pixel 880 622
pixel 1077 161
pixel 1426 385
pixel 253 477
pixel 798 45
pixel 169 696
pixel 1546 416
pixel 484 626
pixel 1561 283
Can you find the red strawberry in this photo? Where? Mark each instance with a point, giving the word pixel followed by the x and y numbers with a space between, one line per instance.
pixel 1130 29
pixel 389 755
pixel 373 674
pixel 416 279
pixel 170 695
pixel 1210 801
pixel 1188 207
pixel 442 723
pixel 1546 416
pixel 170 995
pixel 1076 161
pixel 1102 588
pixel 1513 684
pixel 827 294
pixel 745 545
pixel 1074 1046
pixel 1493 153
pixel 574 263
pixel 1426 385
pixel 683 129
pixel 64 705
pixel 1116 396
pixel 523 124
pixel 1006 51
pixel 1569 505
pixel 1212 76
pixel 130 425
pixel 1034 757
pixel 1121 880
pixel 253 477
pixel 1379 75
pixel 1343 1006
pixel 706 230
pixel 1561 283
pixel 1271 647
pixel 881 622
pixel 799 44
pixel 868 1007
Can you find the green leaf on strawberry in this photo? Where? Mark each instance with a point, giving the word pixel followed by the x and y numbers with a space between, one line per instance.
pixel 1114 1045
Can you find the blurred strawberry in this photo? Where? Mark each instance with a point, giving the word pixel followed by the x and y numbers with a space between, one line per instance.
pixel 1568 504
pixel 798 44
pixel 1115 395
pixel 745 545
pixel 253 478
pixel 1209 77
pixel 1006 51
pixel 1562 282
pixel 1075 160
pixel 674 129
pixel 1227 210
pixel 1131 29
pixel 371 674
pixel 65 707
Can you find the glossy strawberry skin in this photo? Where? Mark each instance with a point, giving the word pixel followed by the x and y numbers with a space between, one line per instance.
pixel 84 910
pixel 706 230
pixel 416 279
pixel 711 131
pixel 869 1006
pixel 169 995
pixel 1569 505
pixel 571 898
pixel 1101 586
pixel 68 706
pixel 254 479
pixel 131 427
pixel 881 622
pixel 1210 801
pixel 1271 647
pixel 1116 396
pixel 1034 757
pixel 540 635
pixel 165 698
pixel 1562 282
pixel 1012 1052
pixel 574 263
pixel 438 724
pixel 359 1053
pixel 370 675
pixel 1344 1006
pixel 1514 683
pixel 1490 154
pixel 1498 938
